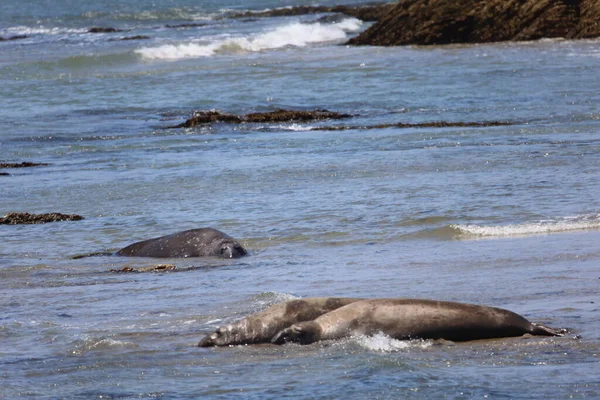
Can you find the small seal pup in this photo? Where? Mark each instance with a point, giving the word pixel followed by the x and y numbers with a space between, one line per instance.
pixel 192 243
pixel 412 319
pixel 260 327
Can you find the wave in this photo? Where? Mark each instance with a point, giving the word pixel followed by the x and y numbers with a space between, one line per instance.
pixel 531 228
pixel 473 231
pixel 169 14
pixel 295 34
pixel 92 344
pixel 41 30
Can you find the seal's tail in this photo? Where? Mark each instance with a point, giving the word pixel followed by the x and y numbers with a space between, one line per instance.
pixel 542 330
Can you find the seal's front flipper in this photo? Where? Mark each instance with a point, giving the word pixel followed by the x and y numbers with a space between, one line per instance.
pixel 542 330
pixel 291 334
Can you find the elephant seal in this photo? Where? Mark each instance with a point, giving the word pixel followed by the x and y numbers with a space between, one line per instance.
pixel 260 327
pixel 192 243
pixel 411 319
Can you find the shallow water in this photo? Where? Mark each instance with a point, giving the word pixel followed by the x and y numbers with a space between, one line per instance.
pixel 507 216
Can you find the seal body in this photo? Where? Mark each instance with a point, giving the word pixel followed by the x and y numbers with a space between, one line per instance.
pixel 412 319
pixel 261 327
pixel 192 243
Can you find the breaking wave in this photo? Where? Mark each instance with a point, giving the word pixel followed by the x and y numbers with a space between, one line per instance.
pixel 294 34
pixel 92 344
pixel 40 30
pixel 531 228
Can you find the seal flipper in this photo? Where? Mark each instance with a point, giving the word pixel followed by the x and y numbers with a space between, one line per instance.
pixel 303 333
pixel 291 334
pixel 542 330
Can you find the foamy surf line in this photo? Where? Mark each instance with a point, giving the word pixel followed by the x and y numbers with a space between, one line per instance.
pixel 380 342
pixel 527 229
pixel 294 34
pixel 40 30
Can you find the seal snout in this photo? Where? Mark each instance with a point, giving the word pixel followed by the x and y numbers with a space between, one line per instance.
pixel 208 340
pixel 232 250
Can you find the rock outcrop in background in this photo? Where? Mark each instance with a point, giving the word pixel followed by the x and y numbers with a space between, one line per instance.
pixel 427 22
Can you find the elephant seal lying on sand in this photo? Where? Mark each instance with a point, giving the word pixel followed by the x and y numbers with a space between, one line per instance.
pixel 192 243
pixel 260 327
pixel 411 319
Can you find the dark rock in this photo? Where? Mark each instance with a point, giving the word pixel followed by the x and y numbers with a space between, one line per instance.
pixel 187 25
pixel 24 164
pixel 4 174
pixel 365 12
pixel 97 29
pixel 208 117
pixel 154 268
pixel 26 218
pixel 291 115
pixel 428 22
pixel 137 37
pixel 434 124
pixel 16 37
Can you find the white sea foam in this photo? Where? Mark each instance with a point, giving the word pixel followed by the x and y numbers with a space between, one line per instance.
pixel 99 344
pixel 40 30
pixel 532 228
pixel 383 343
pixel 294 34
pixel 296 127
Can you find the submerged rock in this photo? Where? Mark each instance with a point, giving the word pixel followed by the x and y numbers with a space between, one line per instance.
pixel 427 22
pixel 24 164
pixel 208 117
pixel 433 124
pixel 26 218
pixel 16 37
pixel 137 37
pixel 154 268
pixel 186 25
pixel 291 115
pixel 99 29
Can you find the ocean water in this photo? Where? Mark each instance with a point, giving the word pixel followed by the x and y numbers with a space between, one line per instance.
pixel 507 216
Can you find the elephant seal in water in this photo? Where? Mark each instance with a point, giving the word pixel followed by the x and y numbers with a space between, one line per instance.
pixel 411 319
pixel 192 243
pixel 260 327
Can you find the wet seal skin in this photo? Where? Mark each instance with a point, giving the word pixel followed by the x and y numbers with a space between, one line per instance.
pixel 260 327
pixel 413 319
pixel 202 242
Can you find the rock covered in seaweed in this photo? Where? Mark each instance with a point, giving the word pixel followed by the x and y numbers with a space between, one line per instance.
pixel 208 117
pixel 27 218
pixel 24 164
pixel 427 22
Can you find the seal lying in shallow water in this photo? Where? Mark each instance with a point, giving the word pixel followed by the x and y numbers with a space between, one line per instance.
pixel 192 243
pixel 412 319
pixel 260 327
